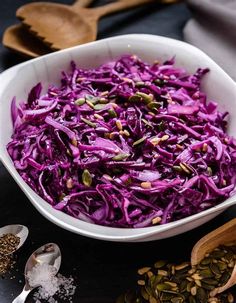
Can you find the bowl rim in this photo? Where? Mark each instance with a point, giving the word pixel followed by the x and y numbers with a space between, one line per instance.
pixel 138 233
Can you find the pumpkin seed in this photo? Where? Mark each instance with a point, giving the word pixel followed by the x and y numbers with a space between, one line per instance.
pixel 217 254
pixel 87 178
pixel 141 282
pixel 177 300
pixel 90 104
pixel 112 113
pixel 143 270
pixel 171 283
pixel 80 101
pixel 145 97
pixel 206 261
pixel 120 157
pixel 139 141
pixel 224 278
pixel 144 293
pixel 192 299
pixel 152 300
pixel 163 286
pixel 201 295
pixel 153 105
pixel 89 122
pixel 99 106
pixel 215 269
pixel 207 286
pixel 210 281
pixel 182 266
pixel 206 273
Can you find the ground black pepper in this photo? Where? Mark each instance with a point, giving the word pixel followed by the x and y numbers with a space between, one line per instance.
pixel 8 244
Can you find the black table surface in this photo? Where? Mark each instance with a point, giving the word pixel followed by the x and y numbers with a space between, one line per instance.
pixel 102 270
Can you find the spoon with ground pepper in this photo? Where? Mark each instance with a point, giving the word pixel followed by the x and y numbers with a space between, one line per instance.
pixel 224 235
pixel 12 237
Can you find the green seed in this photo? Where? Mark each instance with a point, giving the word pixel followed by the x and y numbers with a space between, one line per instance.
pixel 215 269
pixel 217 254
pixel 163 286
pixel 210 281
pixel 135 98
pixel 177 168
pixel 90 104
pixel 222 266
pixel 206 273
pixel 201 295
pixel 160 264
pixel 177 300
pixel 143 270
pixel 92 99
pixel 92 124
pixel 140 84
pixel 99 106
pixel 192 299
pixel 207 286
pixel 87 178
pixel 224 278
pixel 139 141
pixel 112 113
pixel 206 261
pixel 144 293
pixel 153 105
pixel 161 126
pixel 145 97
pixel 80 101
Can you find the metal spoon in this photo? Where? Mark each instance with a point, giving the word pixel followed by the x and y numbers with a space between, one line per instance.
pixel 225 234
pixel 18 230
pixel 50 254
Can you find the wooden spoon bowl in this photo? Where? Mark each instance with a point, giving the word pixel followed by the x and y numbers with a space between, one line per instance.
pixel 223 235
pixel 20 40
pixel 62 26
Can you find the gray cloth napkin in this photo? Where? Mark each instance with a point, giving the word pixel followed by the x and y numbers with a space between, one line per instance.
pixel 213 30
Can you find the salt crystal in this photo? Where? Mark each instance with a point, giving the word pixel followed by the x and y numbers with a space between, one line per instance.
pixel 44 275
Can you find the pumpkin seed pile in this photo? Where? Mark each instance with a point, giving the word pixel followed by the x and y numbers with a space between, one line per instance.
pixel 170 283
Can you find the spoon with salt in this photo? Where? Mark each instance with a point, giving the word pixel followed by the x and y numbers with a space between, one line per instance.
pixel 48 254
pixel 226 234
pixel 17 230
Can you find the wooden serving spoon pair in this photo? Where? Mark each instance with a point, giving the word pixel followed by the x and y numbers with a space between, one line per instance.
pixel 223 235
pixel 60 26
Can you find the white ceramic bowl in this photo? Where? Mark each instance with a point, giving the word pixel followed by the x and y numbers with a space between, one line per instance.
pixel 18 80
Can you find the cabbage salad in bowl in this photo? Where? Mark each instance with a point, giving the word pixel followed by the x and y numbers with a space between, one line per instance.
pixel 128 144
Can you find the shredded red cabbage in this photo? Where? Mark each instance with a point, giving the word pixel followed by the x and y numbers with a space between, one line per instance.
pixel 127 144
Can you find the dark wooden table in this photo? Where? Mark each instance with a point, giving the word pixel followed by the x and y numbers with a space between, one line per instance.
pixel 102 270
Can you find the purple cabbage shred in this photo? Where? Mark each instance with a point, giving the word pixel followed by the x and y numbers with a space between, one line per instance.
pixel 127 144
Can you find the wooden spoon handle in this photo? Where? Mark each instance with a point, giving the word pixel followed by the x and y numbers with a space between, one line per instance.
pixel 82 3
pixel 110 8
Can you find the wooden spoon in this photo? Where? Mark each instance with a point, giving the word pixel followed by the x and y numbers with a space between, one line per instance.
pixel 63 26
pixel 223 235
pixel 20 40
